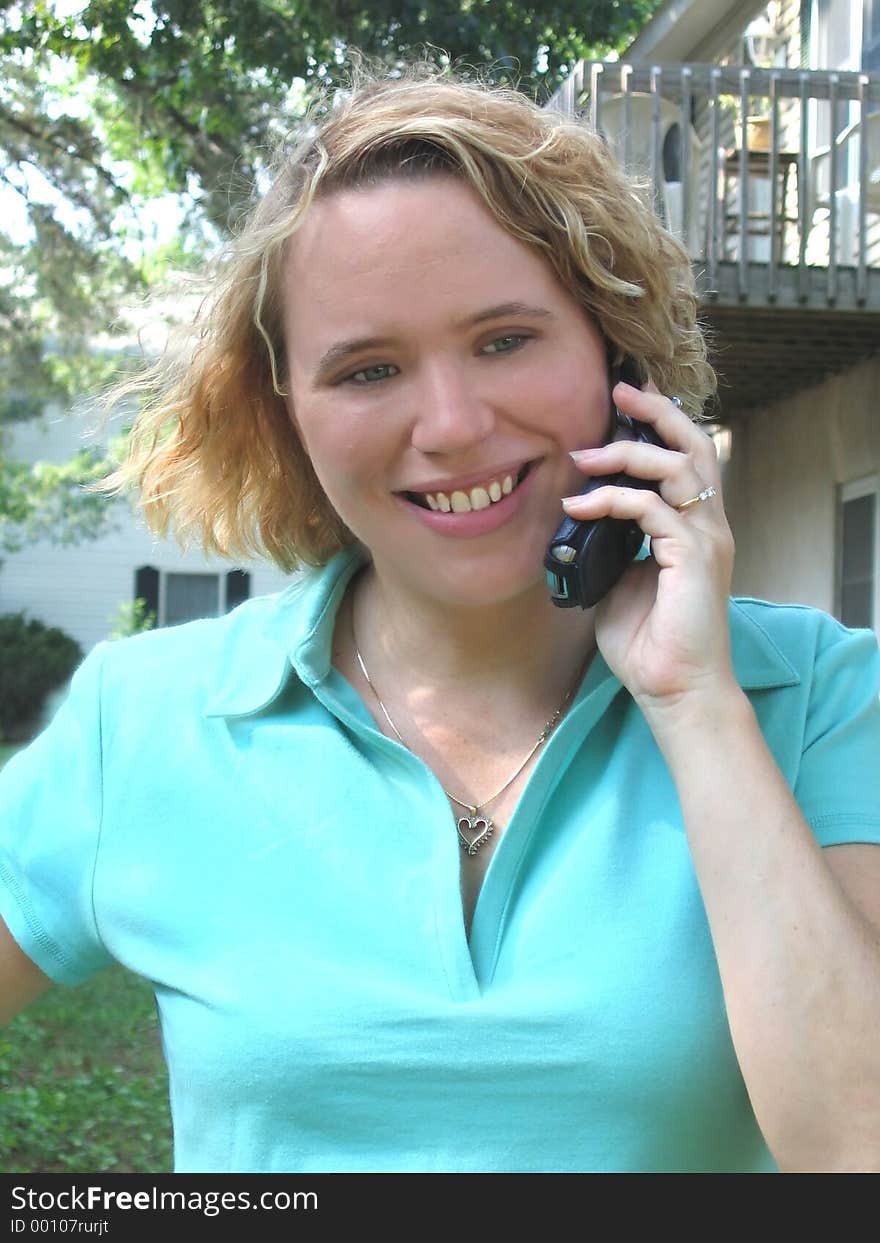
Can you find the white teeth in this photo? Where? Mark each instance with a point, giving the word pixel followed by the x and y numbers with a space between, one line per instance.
pixel 480 498
pixel 477 498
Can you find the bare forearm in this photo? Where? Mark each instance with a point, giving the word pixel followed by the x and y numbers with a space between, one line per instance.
pixel 21 980
pixel 799 965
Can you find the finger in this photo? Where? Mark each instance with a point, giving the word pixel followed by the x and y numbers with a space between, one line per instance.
pixel 677 429
pixel 675 472
pixel 655 517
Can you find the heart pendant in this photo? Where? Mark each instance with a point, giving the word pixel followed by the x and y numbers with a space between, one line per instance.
pixel 481 829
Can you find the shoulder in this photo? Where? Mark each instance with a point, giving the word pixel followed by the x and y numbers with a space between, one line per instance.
pixel 192 660
pixel 815 687
pixel 225 666
pixel 824 728
pixel 787 643
pixel 791 622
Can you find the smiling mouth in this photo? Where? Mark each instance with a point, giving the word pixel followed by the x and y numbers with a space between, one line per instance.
pixel 465 500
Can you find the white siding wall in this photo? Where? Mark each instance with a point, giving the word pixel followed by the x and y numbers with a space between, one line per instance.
pixel 782 485
pixel 80 588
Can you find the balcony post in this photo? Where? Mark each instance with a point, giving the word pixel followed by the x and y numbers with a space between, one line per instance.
pixel 687 171
pixel 743 267
pixel 774 206
pixel 626 83
pixel 862 263
pixel 714 176
pixel 833 220
pixel 596 71
pixel 803 171
pixel 656 159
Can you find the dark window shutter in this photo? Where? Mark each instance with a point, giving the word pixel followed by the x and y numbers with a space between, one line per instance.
pixel 146 587
pixel 238 588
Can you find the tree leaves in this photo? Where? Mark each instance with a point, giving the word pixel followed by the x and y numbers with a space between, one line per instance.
pixel 48 501
pixel 106 110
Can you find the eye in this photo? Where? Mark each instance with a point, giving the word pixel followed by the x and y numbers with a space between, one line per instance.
pixel 371 375
pixel 504 345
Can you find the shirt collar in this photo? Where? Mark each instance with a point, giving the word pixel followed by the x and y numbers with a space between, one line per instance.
pixel 757 660
pixel 296 636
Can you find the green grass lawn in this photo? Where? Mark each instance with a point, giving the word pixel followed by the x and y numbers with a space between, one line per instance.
pixel 82 1082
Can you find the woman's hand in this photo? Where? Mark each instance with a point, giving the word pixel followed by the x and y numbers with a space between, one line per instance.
pixel 663 629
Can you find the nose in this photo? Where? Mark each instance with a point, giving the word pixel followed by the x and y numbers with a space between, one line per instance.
pixel 452 415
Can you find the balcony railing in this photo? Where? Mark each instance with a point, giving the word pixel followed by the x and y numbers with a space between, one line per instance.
pixel 770 177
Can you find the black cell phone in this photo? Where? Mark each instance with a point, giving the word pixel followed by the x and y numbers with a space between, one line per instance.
pixel 584 560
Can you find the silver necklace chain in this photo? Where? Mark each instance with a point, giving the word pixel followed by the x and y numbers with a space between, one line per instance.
pixel 476 822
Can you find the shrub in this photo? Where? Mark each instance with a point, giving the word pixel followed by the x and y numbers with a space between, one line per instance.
pixel 132 617
pixel 34 659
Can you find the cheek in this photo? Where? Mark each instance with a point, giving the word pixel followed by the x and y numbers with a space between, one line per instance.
pixel 576 408
pixel 336 463
pixel 345 453
pixel 331 441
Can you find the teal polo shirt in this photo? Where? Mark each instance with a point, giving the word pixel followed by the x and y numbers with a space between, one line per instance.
pixel 214 808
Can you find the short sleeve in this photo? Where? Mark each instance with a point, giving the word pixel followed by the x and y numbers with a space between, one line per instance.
pixel 838 783
pixel 50 823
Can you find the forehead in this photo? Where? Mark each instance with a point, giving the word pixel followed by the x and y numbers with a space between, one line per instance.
pixel 402 246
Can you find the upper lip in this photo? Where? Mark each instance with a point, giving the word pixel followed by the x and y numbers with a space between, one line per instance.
pixel 463 482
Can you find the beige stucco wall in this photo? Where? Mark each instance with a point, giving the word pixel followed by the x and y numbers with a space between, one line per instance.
pixel 782 480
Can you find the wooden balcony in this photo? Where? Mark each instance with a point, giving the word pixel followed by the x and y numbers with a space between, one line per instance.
pixel 771 179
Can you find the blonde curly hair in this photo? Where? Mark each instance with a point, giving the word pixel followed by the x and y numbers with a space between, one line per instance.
pixel 213 450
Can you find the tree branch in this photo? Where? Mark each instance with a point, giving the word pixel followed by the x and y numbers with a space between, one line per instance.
pixel 52 140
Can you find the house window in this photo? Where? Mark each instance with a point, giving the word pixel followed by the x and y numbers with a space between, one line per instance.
pixel 188 596
pixel 180 597
pixel 859 554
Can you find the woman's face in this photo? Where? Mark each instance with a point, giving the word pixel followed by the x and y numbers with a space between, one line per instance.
pixel 439 375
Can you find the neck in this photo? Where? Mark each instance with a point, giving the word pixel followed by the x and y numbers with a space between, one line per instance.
pixel 527 645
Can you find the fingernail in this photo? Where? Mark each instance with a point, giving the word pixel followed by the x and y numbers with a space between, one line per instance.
pixel 580 455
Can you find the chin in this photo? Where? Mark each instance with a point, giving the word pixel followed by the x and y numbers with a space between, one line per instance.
pixel 488 586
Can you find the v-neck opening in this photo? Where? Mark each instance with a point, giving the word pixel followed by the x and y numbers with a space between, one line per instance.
pixel 469 960
pixel 597 690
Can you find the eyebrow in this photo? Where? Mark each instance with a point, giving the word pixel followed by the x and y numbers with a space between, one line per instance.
pixel 503 310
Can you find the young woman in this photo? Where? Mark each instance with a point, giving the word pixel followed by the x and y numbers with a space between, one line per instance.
pixel 429 873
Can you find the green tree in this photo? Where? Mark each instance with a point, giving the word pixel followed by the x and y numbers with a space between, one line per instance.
pixel 110 110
